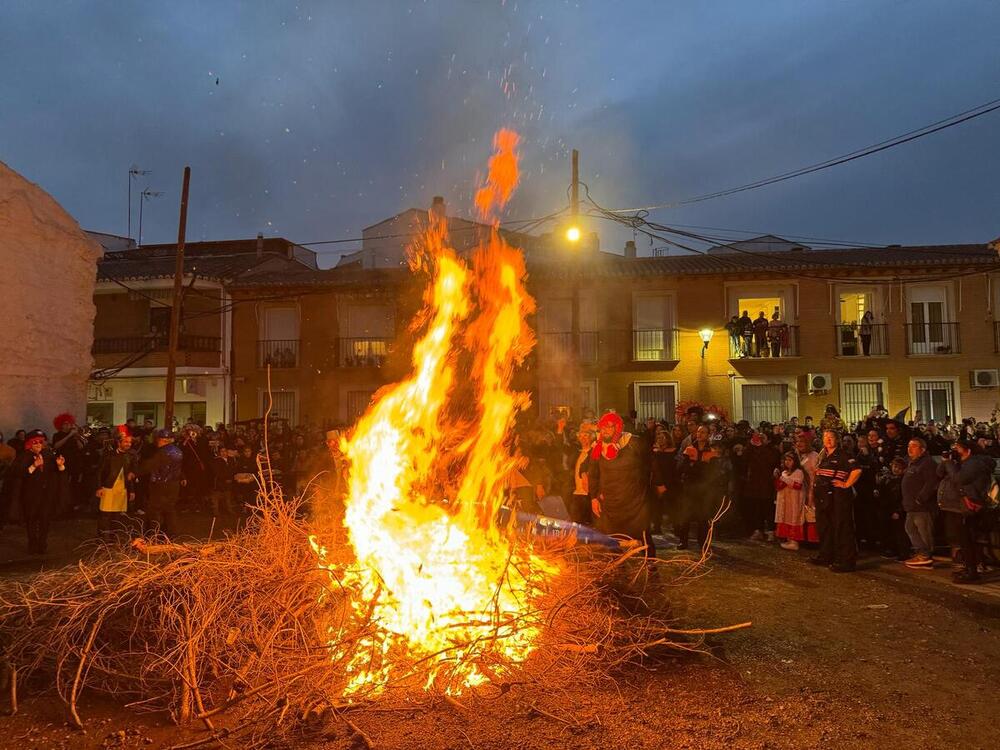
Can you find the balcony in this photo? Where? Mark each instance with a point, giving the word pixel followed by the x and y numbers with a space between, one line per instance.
pixel 155 342
pixel 851 340
pixel 278 353
pixel 655 345
pixel 782 342
pixel 362 352
pixel 933 339
pixel 554 346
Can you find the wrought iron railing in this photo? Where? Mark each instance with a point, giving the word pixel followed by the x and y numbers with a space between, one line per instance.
pixel 933 338
pixel 655 345
pixel 778 341
pixel 363 352
pixel 278 353
pixel 157 342
pixel 861 339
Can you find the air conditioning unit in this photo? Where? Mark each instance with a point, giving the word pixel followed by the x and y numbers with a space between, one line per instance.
pixel 984 378
pixel 820 382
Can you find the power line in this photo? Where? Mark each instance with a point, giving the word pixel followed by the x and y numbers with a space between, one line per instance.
pixel 503 225
pixel 912 135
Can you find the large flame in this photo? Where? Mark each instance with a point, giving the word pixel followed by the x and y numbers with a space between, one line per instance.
pixel 444 586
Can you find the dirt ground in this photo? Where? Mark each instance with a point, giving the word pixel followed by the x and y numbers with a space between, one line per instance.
pixel 884 658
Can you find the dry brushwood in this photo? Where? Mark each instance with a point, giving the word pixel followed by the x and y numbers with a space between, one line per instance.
pixel 236 632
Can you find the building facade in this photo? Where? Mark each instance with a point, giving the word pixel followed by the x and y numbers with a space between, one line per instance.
pixel 133 299
pixel 626 333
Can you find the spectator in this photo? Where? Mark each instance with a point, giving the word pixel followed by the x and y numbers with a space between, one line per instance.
pixel 973 474
pixel 763 461
pixel 889 497
pixel 36 476
pixel 701 486
pixel 746 332
pixel 865 330
pixel 663 477
pixel 164 470
pixel 115 483
pixel 616 484
pixel 790 507
pixel 760 326
pixel 833 495
pixel 919 488
pixel 777 334
pixel 579 502
pixel 734 328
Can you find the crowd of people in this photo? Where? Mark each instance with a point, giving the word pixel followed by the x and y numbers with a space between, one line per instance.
pixel 137 471
pixel 881 485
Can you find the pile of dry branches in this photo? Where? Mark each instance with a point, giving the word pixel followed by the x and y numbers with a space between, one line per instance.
pixel 234 633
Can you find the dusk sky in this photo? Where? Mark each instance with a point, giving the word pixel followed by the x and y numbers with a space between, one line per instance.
pixel 316 119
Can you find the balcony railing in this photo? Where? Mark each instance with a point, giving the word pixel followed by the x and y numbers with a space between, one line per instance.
pixel 278 353
pixel 996 336
pixel 854 339
pixel 363 352
pixel 655 345
pixel 780 341
pixel 560 346
pixel 933 338
pixel 155 342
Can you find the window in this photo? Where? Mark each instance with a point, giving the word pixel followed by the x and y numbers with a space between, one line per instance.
pixel 756 305
pixel 857 397
pixel 935 399
pixel 653 328
pixel 280 324
pixel 283 405
pixel 366 331
pixel 159 320
pixel 930 331
pixel 357 404
pixel 854 305
pixel 765 402
pixel 655 401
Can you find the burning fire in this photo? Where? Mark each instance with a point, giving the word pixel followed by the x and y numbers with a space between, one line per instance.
pixel 442 584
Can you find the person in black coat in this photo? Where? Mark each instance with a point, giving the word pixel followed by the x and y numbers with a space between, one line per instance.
pixel 762 459
pixel 617 485
pixel 37 475
pixel 973 476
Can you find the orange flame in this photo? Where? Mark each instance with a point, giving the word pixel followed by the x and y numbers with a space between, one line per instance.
pixel 442 584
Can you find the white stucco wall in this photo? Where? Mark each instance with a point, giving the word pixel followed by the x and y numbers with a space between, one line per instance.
pixel 48 268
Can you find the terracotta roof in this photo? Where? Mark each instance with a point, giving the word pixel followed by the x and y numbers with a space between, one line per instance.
pixel 804 262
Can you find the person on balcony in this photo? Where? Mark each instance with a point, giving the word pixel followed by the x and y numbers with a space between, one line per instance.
pixel 734 328
pixel 865 330
pixel 777 334
pixel 760 325
pixel 746 333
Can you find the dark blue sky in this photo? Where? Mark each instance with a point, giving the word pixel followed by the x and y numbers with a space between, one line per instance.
pixel 329 116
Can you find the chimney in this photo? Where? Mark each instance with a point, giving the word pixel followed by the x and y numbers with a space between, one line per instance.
pixel 630 249
pixel 438 206
pixel 260 244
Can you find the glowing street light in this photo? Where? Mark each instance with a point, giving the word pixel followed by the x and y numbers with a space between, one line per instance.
pixel 573 234
pixel 705 334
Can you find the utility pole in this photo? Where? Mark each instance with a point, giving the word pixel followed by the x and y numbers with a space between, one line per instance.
pixel 574 207
pixel 175 308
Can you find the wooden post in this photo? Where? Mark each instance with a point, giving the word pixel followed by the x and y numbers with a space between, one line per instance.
pixel 574 206
pixel 175 307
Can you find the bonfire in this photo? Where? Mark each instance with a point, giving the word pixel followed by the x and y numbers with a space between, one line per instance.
pixel 416 590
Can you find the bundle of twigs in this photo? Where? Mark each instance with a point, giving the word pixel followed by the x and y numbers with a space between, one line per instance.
pixel 235 633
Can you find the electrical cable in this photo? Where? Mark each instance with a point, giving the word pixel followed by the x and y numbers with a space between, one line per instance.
pixel 899 140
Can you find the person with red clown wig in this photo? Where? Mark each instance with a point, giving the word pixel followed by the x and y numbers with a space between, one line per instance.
pixel 617 483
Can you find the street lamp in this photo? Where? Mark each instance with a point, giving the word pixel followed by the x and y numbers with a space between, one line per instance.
pixel 705 334
pixel 573 233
